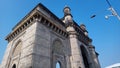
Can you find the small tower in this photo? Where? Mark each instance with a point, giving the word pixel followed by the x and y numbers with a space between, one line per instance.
pixel 68 18
pixel 81 55
pixel 75 58
pixel 83 27
pixel 67 10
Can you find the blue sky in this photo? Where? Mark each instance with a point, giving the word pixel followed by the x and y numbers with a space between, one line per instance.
pixel 105 33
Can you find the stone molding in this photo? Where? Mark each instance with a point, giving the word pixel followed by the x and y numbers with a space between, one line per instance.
pixel 31 18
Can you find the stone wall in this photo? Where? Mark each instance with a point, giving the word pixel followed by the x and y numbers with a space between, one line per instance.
pixel 27 38
pixel 42 54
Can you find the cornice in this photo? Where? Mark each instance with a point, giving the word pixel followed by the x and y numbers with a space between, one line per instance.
pixel 50 20
pixel 36 15
pixel 39 17
pixel 22 26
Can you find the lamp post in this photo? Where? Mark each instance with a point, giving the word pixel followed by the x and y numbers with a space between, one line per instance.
pixel 114 13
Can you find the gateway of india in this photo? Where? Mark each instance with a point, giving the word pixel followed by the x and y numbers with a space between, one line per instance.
pixel 41 40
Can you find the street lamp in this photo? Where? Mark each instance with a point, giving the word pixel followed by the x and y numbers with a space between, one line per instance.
pixel 114 13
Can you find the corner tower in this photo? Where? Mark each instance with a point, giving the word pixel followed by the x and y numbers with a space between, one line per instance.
pixel 83 54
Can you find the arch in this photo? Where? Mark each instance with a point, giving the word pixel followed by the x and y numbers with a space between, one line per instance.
pixel 17 48
pixel 14 66
pixel 15 54
pixel 58 54
pixel 58 47
pixel 85 56
pixel 58 65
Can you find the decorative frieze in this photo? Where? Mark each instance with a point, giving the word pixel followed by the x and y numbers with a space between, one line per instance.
pixel 52 26
pixel 22 27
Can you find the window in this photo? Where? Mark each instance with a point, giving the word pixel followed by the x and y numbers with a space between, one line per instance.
pixel 58 47
pixel 58 65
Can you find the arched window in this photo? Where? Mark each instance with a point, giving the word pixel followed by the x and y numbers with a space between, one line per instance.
pixel 57 53
pixel 57 47
pixel 14 66
pixel 84 54
pixel 58 65
pixel 17 49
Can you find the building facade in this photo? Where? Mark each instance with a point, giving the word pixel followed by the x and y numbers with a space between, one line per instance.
pixel 41 39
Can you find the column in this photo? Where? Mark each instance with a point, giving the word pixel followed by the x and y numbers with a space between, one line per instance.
pixel 94 56
pixel 76 56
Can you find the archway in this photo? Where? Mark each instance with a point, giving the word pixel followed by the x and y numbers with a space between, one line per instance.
pixel 16 53
pixel 57 47
pixel 58 55
pixel 17 49
pixel 58 65
pixel 85 55
pixel 14 66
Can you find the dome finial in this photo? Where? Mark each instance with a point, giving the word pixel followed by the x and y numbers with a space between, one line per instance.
pixel 83 27
pixel 67 10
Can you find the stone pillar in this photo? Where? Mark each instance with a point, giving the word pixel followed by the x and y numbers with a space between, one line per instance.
pixel 94 57
pixel 76 56
pixel 68 62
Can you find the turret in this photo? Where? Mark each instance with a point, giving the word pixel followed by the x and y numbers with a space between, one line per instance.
pixel 83 27
pixel 67 16
pixel 67 11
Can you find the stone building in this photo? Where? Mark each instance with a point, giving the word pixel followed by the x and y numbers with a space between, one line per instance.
pixel 41 39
